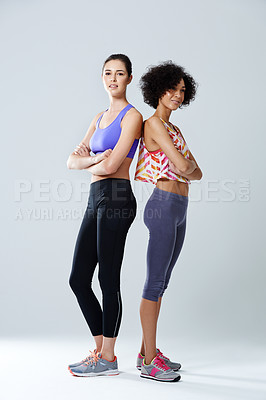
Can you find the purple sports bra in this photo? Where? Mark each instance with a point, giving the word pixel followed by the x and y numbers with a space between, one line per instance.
pixel 103 139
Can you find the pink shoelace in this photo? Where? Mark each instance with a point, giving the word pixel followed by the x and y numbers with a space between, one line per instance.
pixel 159 362
pixel 89 356
pixel 160 354
pixel 92 358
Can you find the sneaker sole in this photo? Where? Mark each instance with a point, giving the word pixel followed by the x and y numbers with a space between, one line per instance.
pixel 106 373
pixel 176 369
pixel 160 380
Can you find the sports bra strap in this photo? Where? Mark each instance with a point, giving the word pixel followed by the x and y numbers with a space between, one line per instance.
pixel 123 112
pixel 119 116
pixel 100 117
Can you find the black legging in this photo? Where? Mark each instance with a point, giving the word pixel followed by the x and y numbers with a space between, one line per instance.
pixel 110 212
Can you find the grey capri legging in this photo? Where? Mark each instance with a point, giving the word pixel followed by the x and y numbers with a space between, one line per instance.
pixel 165 217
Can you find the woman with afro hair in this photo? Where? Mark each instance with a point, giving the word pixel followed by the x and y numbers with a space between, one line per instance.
pixel 166 161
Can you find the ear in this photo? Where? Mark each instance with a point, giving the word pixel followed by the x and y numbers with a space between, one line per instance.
pixel 130 79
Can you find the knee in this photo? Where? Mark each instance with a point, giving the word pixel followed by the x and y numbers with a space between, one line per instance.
pixel 108 285
pixel 109 289
pixel 165 286
pixel 162 292
pixel 77 284
pixel 153 290
pixel 73 283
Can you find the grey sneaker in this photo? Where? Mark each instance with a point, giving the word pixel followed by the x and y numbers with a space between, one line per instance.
pixel 95 365
pixel 173 365
pixel 158 371
pixel 91 355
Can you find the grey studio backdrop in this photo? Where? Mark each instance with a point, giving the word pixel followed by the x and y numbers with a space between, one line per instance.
pixel 52 53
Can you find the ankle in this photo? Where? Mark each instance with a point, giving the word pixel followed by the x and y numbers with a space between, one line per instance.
pixel 108 356
pixel 148 359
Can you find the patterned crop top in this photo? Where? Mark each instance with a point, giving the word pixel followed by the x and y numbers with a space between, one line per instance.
pixel 106 138
pixel 153 165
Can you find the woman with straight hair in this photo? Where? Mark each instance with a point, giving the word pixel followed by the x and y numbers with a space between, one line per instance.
pixel 166 161
pixel 113 138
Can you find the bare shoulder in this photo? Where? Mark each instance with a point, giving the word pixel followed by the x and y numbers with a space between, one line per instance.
pixel 133 113
pixel 133 120
pixel 132 123
pixel 97 116
pixel 154 126
pixel 153 122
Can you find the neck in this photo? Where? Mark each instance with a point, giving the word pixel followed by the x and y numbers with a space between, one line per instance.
pixel 117 104
pixel 163 112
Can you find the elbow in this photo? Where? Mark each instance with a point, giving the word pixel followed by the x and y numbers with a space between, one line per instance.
pixel 185 168
pixel 197 174
pixel 71 163
pixel 200 174
pixel 110 168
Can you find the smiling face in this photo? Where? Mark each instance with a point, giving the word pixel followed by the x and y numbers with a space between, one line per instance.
pixel 173 98
pixel 115 78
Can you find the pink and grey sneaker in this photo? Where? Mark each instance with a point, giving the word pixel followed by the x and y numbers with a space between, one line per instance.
pixel 173 365
pixel 158 371
pixel 140 358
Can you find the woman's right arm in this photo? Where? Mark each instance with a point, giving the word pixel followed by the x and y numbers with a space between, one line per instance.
pixel 80 158
pixel 159 134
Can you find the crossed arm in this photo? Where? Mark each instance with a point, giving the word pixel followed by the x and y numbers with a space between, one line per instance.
pixel 109 161
pixel 80 158
pixel 188 168
pixel 131 127
pixel 196 175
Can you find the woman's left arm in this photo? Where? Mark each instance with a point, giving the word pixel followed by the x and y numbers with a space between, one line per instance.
pixel 130 130
pixel 196 175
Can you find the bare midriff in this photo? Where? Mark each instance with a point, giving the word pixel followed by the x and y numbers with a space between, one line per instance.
pixel 173 186
pixel 121 173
